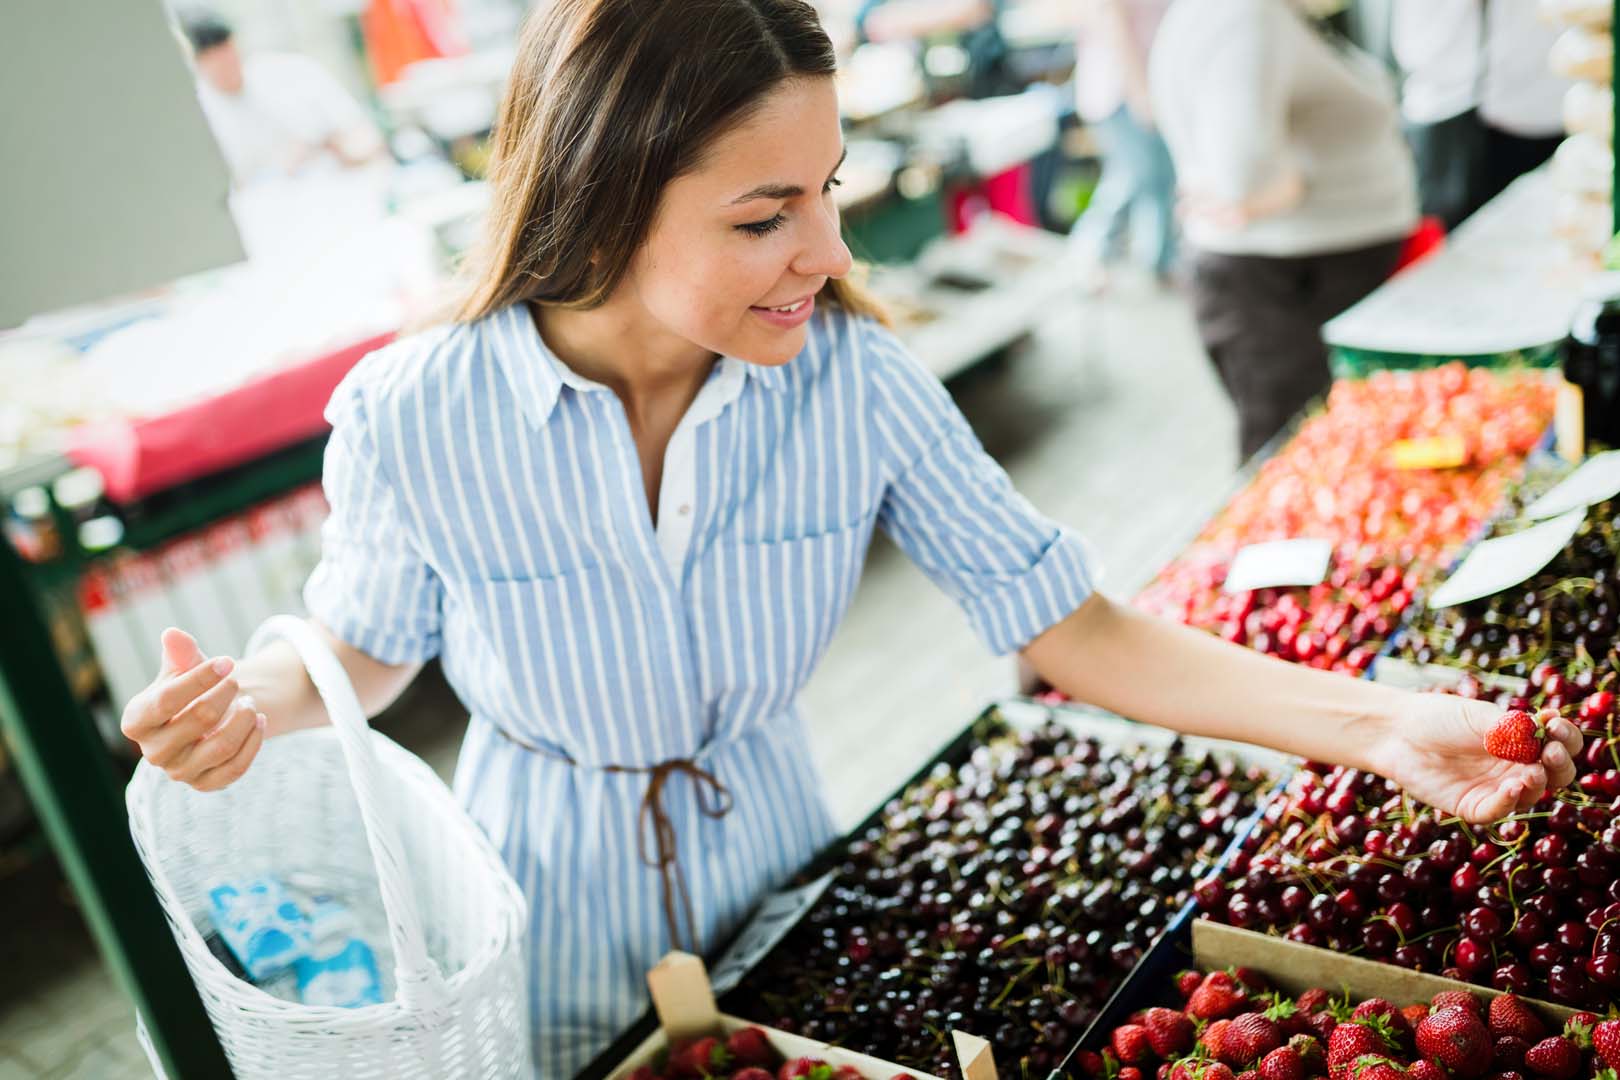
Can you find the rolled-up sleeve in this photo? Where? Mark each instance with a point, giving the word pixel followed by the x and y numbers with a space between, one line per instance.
pixel 372 588
pixel 955 513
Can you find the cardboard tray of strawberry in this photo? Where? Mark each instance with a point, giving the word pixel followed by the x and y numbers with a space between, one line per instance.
pixel 1009 889
pixel 1211 1002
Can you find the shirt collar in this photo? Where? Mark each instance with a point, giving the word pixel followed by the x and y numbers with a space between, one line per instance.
pixel 537 376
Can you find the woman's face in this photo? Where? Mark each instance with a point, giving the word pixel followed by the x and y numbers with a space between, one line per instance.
pixel 740 245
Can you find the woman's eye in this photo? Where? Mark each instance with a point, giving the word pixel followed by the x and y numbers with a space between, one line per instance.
pixel 834 182
pixel 761 228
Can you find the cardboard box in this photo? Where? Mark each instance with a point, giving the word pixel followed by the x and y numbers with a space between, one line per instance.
pixel 1291 966
pixel 684 1003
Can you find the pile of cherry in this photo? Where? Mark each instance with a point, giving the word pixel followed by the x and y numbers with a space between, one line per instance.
pixel 746 1054
pixel 1232 1026
pixel 1007 896
pixel 1339 625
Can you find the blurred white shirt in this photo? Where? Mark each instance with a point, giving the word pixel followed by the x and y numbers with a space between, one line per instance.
pixel 289 105
pixel 1099 68
pixel 1437 44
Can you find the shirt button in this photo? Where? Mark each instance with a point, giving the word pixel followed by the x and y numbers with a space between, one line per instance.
pixel 686 508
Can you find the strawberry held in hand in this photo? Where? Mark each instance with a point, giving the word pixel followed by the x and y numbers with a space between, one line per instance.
pixel 1518 736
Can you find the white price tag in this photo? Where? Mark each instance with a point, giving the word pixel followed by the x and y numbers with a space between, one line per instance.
pixel 1593 482
pixel 775 916
pixel 1277 563
pixel 1507 560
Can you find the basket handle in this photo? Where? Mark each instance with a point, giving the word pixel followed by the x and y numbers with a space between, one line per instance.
pixel 418 981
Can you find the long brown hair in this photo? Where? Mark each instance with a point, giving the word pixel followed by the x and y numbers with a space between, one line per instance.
pixel 608 101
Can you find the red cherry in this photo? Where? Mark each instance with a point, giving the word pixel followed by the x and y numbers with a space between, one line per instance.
pixel 1473 955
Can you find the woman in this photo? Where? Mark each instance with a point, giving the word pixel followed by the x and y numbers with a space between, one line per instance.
pixel 1297 189
pixel 626 494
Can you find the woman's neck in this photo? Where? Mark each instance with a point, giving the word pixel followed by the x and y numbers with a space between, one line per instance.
pixel 643 364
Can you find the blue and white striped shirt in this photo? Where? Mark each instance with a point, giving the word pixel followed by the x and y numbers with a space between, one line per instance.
pixel 488 507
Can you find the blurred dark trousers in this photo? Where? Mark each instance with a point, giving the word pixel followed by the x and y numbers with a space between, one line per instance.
pixel 1260 318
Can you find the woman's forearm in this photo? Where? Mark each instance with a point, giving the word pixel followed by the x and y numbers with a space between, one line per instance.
pixel 1162 673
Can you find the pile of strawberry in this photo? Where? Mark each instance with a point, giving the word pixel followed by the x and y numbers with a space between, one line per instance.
pixel 1232 1026
pixel 746 1054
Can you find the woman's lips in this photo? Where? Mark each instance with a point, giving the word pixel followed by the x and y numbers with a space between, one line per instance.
pixel 787 316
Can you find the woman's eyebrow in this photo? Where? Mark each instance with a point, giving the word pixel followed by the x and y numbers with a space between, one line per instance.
pixel 784 191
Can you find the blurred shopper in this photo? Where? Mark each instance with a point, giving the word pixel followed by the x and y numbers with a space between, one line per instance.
pixel 1296 186
pixel 1137 187
pixel 274 114
pixel 1481 105
pixel 972 25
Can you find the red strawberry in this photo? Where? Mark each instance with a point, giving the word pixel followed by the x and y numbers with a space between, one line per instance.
pixel 1283 1063
pixel 1216 1071
pixel 804 1067
pixel 1091 1064
pixel 1508 1051
pixel 1352 1040
pixel 1130 1044
pixel 1517 736
pixel 1379 1007
pixel 1130 1072
pixel 1511 1016
pixel 1456 1039
pixel 1309 1049
pixel 1578 1029
pixel 1170 1032
pixel 1187 982
pixel 1254 980
pixel 1214 1035
pixel 1323 1024
pixel 750 1047
pixel 1249 1074
pixel 1217 997
pixel 1606 1041
pixel 1313 1000
pixel 843 1072
pixel 1457 997
pixel 1375 1067
pixel 1415 1014
pixel 1506 1074
pixel 1250 1038
pixel 752 1072
pixel 1555 1057
pixel 705 1057
pixel 1422 1069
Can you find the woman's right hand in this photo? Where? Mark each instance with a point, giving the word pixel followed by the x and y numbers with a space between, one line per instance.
pixel 193 722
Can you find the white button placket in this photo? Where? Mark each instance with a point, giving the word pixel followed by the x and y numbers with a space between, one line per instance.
pixel 676 495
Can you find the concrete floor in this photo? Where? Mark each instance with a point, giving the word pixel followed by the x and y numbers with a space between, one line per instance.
pixel 1109 420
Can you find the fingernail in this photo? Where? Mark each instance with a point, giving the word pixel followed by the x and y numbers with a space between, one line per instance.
pixel 261 720
pixel 223 666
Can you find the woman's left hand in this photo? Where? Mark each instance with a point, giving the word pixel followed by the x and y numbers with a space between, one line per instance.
pixel 1436 752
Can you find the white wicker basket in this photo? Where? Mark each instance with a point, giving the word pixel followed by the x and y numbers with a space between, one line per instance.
pixel 345 804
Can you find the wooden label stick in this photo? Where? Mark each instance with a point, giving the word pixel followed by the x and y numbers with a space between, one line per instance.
pixel 974 1055
pixel 683 998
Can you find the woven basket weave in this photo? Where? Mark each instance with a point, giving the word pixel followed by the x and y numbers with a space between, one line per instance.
pixel 348 808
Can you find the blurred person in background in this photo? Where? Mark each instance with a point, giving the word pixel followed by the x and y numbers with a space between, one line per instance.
pixel 1297 189
pixel 275 114
pixel 1481 105
pixel 1138 182
pixel 970 24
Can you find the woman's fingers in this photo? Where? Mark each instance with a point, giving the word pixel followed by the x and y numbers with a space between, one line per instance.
pixel 221 745
pixel 231 770
pixel 1559 765
pixel 167 745
pixel 1566 733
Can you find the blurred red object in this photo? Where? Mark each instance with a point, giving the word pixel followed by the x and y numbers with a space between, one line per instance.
pixel 1009 193
pixel 1425 240
pixel 141 455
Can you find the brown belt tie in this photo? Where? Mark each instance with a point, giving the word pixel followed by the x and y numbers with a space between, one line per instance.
pixel 713 800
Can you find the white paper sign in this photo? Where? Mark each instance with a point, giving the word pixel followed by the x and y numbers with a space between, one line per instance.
pixel 1593 482
pixel 1276 563
pixel 1507 560
pixel 1405 675
pixel 775 916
